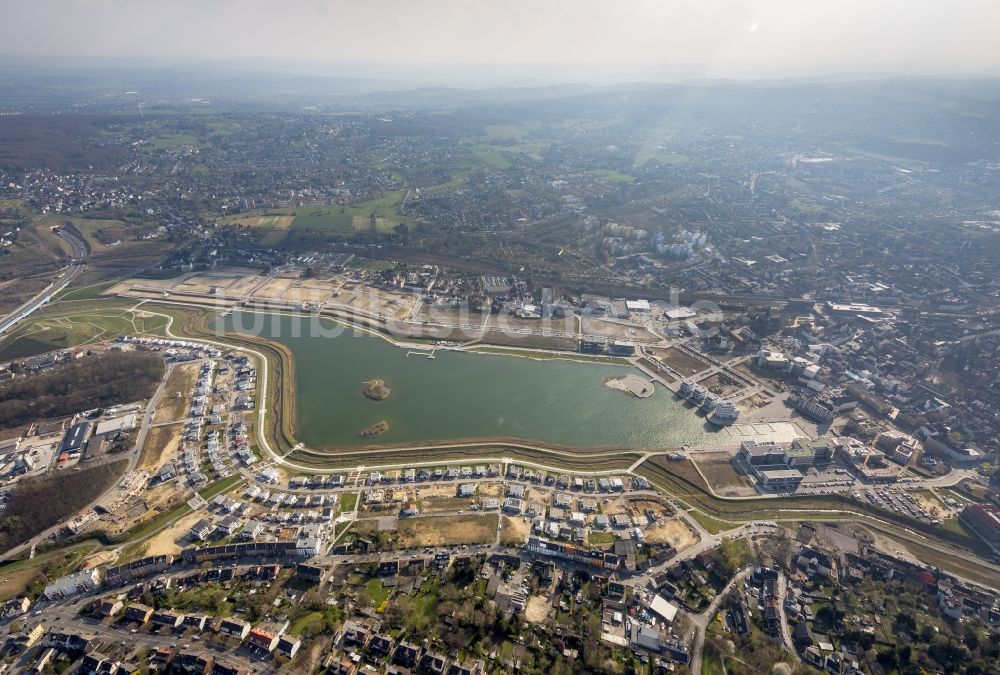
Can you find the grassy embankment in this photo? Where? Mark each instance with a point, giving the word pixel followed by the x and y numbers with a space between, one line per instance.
pixel 680 480
pixel 714 513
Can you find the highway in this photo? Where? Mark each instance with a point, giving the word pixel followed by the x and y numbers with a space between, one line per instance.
pixel 68 275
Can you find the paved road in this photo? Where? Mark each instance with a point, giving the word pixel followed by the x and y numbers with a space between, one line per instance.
pixel 701 621
pixel 133 459
pixel 279 460
pixel 59 283
pixel 63 616
pixel 786 634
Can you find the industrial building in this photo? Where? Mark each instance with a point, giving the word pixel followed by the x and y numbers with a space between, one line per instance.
pixel 76 438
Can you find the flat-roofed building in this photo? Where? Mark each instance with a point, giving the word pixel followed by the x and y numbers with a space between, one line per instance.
pixel 984 519
pixel 780 479
pixel 116 425
pixel 75 438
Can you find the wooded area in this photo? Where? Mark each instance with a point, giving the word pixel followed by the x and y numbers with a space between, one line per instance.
pixel 38 503
pixel 93 382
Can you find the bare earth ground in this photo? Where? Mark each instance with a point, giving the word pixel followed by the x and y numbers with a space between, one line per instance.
pixel 274 221
pixel 616 330
pixel 673 531
pixel 99 558
pixel 490 489
pixel 161 443
pixel 537 609
pixel 514 530
pixel 680 362
pixel 13 583
pixel 180 381
pixel 437 491
pixel 721 475
pixel 157 499
pixel 166 495
pixel 446 504
pixel 165 541
pixel 719 384
pixel 932 506
pixel 447 530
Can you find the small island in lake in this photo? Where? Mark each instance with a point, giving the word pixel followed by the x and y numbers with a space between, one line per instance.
pixel 376 390
pixel 376 429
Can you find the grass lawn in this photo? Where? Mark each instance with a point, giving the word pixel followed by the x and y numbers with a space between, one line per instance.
pixel 348 501
pixel 65 325
pixel 156 523
pixel 376 592
pixel 713 525
pixel 658 156
pixel 16 577
pixel 352 217
pixel 548 356
pixel 220 486
pixel 600 538
pixel 310 623
pixel 613 176
pixel 371 265
pixel 490 157
pixel 423 606
pixel 956 525
pixel 173 141
pixel 711 663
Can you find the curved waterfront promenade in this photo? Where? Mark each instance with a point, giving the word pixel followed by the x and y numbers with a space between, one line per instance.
pixel 692 499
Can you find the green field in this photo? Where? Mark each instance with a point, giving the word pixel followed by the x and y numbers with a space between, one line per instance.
pixel 507 132
pixel 223 128
pixel 613 176
pixel 352 217
pixel 376 593
pixel 490 157
pixel 658 156
pixel 88 292
pixel 173 141
pixel 348 501
pixel 600 538
pixel 340 218
pixel 72 324
pixel 803 206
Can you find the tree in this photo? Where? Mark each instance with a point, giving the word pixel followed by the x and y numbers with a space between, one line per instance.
pixel 397 611
pixel 905 622
pixel 729 555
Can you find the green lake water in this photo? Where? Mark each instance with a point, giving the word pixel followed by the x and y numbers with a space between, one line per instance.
pixel 462 395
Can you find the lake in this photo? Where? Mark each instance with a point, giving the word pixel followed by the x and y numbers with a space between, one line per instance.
pixel 460 395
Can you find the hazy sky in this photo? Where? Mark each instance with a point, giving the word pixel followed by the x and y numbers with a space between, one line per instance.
pixel 719 37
